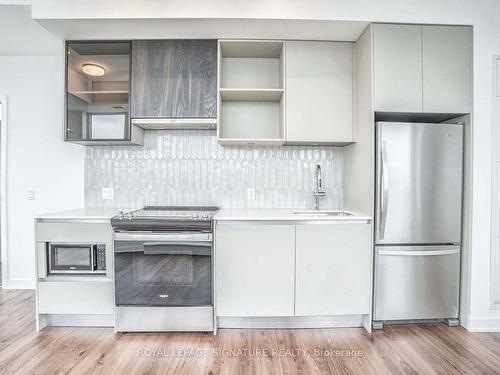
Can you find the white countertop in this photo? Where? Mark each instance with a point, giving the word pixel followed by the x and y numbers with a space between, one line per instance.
pixel 225 214
pixel 280 214
pixel 83 214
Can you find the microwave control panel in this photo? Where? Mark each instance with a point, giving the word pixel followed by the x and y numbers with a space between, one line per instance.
pixel 101 257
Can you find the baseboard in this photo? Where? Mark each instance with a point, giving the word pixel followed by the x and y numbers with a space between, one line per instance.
pixel 482 324
pixel 287 322
pixel 20 284
pixel 69 320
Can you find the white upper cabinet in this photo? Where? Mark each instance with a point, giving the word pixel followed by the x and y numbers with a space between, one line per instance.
pixel 397 63
pixel 422 68
pixel 333 269
pixel 319 94
pixel 447 76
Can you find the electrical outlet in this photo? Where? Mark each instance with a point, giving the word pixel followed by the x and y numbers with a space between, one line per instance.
pixel 107 193
pixel 250 194
pixel 31 194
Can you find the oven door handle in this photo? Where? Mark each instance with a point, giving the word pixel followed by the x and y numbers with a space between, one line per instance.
pixel 179 243
pixel 150 237
pixel 193 252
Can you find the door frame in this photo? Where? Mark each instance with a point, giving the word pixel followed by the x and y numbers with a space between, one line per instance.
pixel 495 213
pixel 3 189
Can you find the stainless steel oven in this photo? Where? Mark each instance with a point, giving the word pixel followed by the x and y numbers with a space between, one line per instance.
pixel 72 258
pixel 163 262
pixel 163 269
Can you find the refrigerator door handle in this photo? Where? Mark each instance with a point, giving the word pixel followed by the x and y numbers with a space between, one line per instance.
pixel 384 190
pixel 419 253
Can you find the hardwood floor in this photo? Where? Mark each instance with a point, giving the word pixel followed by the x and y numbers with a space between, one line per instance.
pixel 411 349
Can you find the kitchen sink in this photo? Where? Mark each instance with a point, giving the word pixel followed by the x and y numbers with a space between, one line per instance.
pixel 323 213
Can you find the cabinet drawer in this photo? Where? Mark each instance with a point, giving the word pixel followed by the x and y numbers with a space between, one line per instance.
pixel 74 232
pixel 92 297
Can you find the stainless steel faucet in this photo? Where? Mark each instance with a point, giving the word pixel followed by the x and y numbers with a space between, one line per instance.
pixel 317 191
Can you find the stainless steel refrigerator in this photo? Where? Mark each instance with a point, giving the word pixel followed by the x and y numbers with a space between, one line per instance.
pixel 418 221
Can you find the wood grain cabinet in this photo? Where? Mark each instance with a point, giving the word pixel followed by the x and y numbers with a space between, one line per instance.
pixel 422 68
pixel 174 79
pixel 333 269
pixel 255 270
pixel 319 94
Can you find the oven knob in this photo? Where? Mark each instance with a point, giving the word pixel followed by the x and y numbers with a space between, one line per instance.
pixel 205 216
pixel 195 216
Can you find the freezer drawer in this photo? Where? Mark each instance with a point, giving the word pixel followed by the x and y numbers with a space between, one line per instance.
pixel 416 282
pixel 419 183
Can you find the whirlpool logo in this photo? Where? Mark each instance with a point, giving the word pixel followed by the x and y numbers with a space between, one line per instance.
pixel 163 296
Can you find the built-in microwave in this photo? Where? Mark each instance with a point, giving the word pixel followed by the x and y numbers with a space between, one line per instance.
pixel 70 258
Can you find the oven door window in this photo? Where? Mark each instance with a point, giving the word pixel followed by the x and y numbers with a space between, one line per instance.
pixel 163 273
pixel 71 258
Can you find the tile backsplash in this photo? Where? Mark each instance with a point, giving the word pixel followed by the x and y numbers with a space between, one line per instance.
pixel 189 167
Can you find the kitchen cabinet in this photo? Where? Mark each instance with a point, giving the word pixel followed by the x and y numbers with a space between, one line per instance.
pixel 174 79
pixel 447 64
pixel 319 92
pixel 97 94
pixel 255 270
pixel 251 87
pixel 333 269
pixel 397 55
pixel 422 69
pixel 73 299
pixel 79 297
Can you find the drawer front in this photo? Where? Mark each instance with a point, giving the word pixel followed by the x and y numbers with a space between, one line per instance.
pixel 74 232
pixel 416 282
pixel 86 297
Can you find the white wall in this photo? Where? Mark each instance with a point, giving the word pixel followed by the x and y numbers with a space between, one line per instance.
pixel 37 158
pixel 482 14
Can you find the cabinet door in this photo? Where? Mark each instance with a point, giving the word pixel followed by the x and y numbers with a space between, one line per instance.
pixel 255 270
pixel 319 92
pixel 447 55
pixel 333 269
pixel 397 55
pixel 174 79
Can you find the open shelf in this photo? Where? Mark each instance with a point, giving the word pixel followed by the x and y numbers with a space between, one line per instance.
pixel 273 95
pixel 251 88
pixel 99 92
pixel 251 48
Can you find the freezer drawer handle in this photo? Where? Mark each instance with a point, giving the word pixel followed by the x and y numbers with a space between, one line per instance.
pixel 419 253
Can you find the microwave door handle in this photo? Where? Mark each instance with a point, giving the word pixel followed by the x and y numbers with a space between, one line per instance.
pixel 93 257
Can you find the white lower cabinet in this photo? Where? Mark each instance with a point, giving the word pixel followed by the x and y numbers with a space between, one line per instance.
pixel 78 297
pixel 255 270
pixel 333 269
pixel 293 270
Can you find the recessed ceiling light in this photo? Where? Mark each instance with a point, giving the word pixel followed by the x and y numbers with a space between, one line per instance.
pixel 93 69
